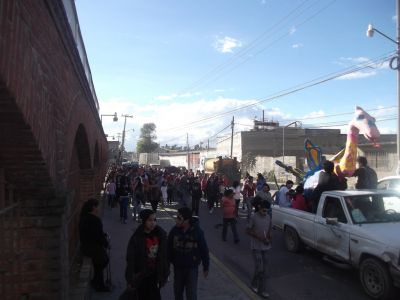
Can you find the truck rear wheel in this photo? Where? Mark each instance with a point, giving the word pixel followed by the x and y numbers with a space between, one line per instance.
pixel 292 240
pixel 375 279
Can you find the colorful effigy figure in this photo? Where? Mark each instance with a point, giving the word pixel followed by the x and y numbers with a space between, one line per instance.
pixel 345 161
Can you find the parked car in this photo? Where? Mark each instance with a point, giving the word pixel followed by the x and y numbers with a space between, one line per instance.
pixel 357 228
pixel 389 183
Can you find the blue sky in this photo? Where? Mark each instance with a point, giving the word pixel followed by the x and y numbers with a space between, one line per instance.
pixel 173 62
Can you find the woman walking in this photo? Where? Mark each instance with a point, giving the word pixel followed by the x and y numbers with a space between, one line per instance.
pixel 147 267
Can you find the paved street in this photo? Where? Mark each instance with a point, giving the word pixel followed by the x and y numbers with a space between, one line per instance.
pixel 291 276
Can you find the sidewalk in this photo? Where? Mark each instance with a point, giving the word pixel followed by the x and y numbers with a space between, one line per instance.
pixel 221 284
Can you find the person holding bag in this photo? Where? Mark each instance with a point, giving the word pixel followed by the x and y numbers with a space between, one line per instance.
pixel 147 267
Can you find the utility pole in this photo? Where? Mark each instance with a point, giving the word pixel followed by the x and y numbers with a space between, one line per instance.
pixel 123 139
pixel 232 126
pixel 398 86
pixel 187 148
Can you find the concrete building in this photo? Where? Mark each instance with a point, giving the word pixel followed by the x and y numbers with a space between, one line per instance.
pixel 268 146
pixel 190 160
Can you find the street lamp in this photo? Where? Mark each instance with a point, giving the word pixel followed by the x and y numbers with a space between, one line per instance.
pixel 370 33
pixel 283 137
pixel 115 117
pixel 123 138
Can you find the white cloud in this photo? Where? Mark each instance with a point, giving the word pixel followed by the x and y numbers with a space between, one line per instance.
pixel 314 114
pixel 357 75
pixel 386 130
pixel 384 112
pixel 227 44
pixel 173 119
pixel 355 60
pixel 361 61
pixel 175 96
pixel 298 45
pixel 292 30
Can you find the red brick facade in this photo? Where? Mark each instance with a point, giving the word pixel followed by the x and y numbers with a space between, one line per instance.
pixel 53 149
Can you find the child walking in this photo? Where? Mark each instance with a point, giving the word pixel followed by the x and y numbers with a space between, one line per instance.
pixel 259 228
pixel 229 215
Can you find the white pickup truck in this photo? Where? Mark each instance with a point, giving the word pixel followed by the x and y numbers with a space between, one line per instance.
pixel 357 227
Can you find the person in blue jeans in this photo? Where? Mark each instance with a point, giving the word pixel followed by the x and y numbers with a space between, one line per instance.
pixel 123 206
pixel 187 248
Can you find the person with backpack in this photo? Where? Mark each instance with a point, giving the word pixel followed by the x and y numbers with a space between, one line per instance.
pixel 366 176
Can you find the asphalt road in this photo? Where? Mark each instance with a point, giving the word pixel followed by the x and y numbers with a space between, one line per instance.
pixel 303 275
pixel 292 276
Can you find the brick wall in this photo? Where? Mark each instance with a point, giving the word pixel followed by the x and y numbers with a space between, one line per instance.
pixel 45 108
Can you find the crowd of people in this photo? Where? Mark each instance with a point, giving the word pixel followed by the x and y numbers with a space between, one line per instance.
pixel 151 250
pixel 327 181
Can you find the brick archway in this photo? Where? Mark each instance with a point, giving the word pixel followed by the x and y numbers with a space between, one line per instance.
pixel 52 145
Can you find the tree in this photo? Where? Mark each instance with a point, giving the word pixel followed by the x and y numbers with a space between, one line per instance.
pixel 146 142
pixel 249 161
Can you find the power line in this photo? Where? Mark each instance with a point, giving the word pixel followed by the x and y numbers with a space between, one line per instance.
pixel 322 126
pixel 342 114
pixel 297 88
pixel 213 137
pixel 216 76
pixel 342 124
pixel 332 115
pixel 216 72
pixel 242 51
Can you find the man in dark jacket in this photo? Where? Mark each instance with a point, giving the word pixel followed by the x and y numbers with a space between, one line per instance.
pixel 366 176
pixel 94 242
pixel 328 181
pixel 187 247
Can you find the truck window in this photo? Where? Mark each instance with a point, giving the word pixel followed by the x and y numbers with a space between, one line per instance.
pixel 333 209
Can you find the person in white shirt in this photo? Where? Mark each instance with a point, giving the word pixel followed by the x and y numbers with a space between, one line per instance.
pixel 284 198
pixel 236 190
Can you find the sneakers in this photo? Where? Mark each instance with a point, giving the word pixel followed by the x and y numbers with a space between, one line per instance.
pixel 254 289
pixel 264 295
pixel 211 210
